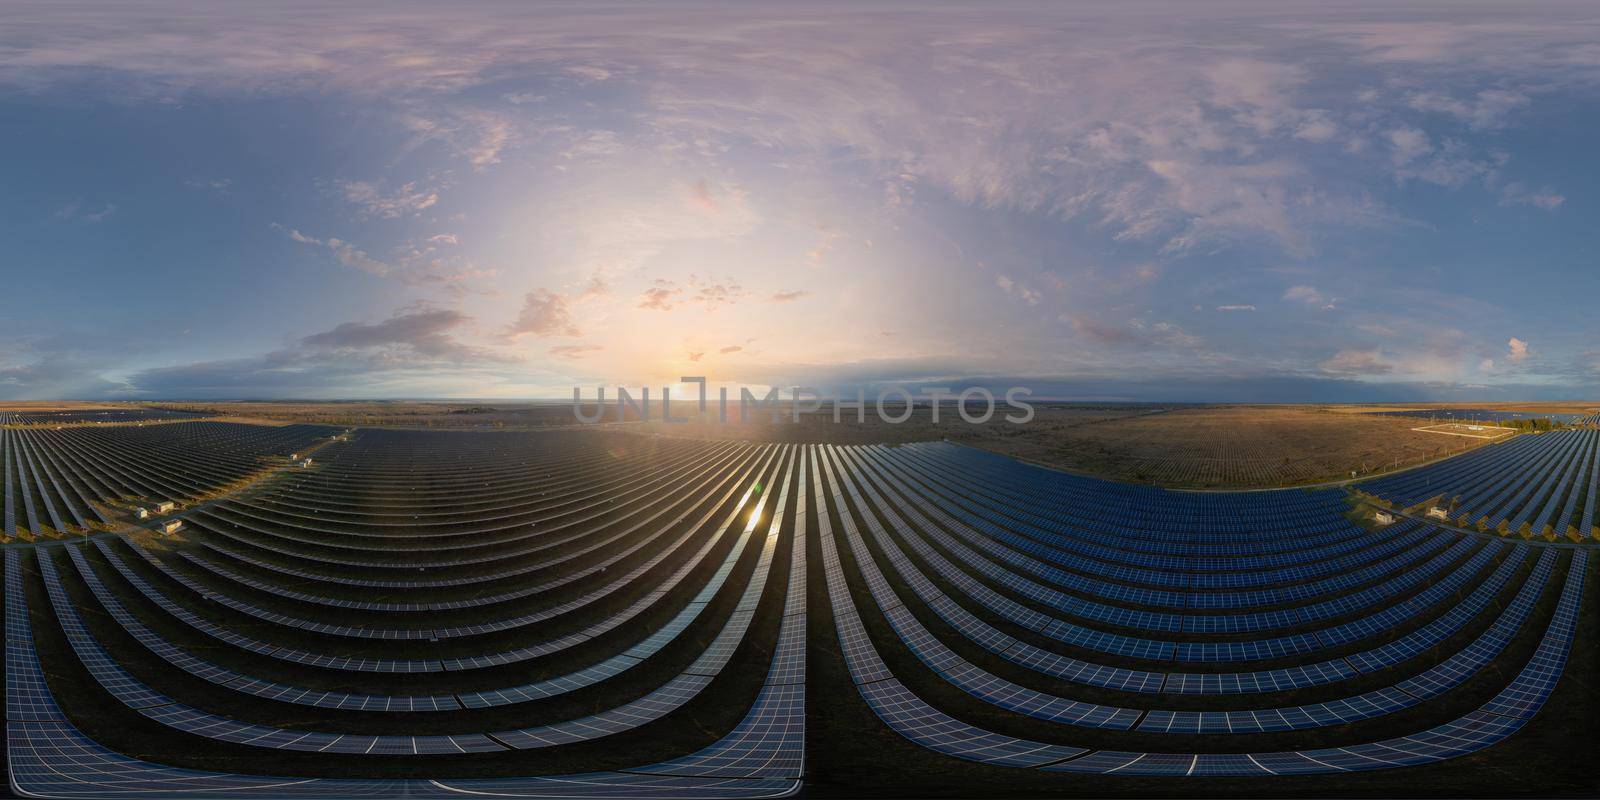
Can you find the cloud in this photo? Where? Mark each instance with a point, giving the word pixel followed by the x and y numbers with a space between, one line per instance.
pixel 1317 127
pixel 475 134
pixel 76 210
pixel 713 293
pixel 1135 332
pixel 596 287
pixel 1452 165
pixel 574 351
pixel 51 377
pixel 351 256
pixel 415 344
pixel 1488 110
pixel 1226 203
pixel 544 314
pixel 408 200
pixel 696 356
pixel 589 72
pixel 1027 295
pixel 1408 144
pixel 424 330
pixel 660 296
pixel 424 264
pixel 347 253
pixel 788 295
pixel 1099 333
pixel 1311 296
pixel 1257 93
pixel 700 197
pixel 710 293
pixel 1518 351
pixel 594 145
pixel 700 137
pixel 1236 308
pixel 828 237
pixel 1037 111
pixel 1165 333
pixel 1517 194
pixel 69 210
pixel 214 184
pixel 733 348
pixel 1355 363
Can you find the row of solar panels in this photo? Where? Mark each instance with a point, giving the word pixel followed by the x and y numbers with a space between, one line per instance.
pixel 1005 694
pixel 49 756
pixel 923 537
pixel 860 505
pixel 541 517
pixel 698 552
pixel 1132 509
pixel 1401 562
pixel 500 495
pixel 1538 485
pixel 991 551
pixel 757 746
pixel 1406 565
pixel 55 482
pixel 90 415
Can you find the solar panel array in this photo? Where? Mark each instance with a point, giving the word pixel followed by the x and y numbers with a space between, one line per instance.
pixel 92 416
pixel 678 559
pixel 1545 485
pixel 67 482
pixel 583 613
pixel 898 556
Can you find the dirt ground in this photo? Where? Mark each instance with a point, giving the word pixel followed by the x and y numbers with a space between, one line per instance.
pixel 1544 407
pixel 1236 446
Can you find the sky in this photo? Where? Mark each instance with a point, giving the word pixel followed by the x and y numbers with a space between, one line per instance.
pixel 1270 202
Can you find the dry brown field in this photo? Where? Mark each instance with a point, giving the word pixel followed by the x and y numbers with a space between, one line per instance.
pixel 1544 407
pixel 1237 446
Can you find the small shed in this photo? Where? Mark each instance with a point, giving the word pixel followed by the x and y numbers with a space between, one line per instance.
pixel 1384 518
pixel 306 463
pixel 166 507
pixel 170 526
pixel 294 456
pixel 1439 513
pixel 141 513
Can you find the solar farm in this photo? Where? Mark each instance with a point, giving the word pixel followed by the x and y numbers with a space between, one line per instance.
pixel 220 609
